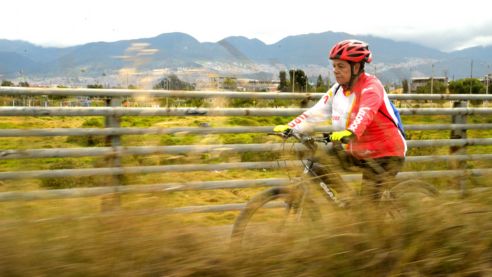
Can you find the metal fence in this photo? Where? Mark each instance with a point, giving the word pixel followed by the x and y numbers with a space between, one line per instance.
pixel 114 151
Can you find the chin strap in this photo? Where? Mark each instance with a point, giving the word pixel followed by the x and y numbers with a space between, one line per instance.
pixel 354 76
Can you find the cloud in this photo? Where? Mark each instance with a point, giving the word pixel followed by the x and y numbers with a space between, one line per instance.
pixel 446 38
pixel 445 26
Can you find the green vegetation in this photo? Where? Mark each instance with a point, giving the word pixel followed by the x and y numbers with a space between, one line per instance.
pixel 95 86
pixel 298 82
pixel 172 82
pixel 186 139
pixel 466 86
pixel 437 87
pixel 68 182
pixel 7 83
pixel 140 238
pixel 89 141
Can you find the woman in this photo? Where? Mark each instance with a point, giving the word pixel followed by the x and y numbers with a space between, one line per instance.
pixel 361 114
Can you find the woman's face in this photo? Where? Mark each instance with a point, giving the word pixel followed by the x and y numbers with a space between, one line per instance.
pixel 341 69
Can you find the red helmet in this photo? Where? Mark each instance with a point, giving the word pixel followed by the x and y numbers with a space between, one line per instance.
pixel 351 50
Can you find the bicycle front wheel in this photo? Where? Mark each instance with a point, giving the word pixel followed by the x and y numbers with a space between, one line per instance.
pixel 270 217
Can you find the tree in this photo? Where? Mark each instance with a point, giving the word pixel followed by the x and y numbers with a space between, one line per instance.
pixel 283 85
pixel 437 87
pixel 230 83
pixel 172 82
pixel 462 86
pixel 319 81
pixel 94 86
pixel 23 84
pixel 320 85
pixel 300 82
pixel 404 84
pixel 7 83
pixel 291 80
pixel 490 87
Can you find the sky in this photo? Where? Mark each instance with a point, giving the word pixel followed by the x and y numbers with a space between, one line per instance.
pixel 444 25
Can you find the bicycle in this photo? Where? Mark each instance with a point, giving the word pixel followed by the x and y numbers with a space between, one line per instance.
pixel 296 201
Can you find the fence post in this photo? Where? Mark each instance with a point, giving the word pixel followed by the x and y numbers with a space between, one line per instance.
pixel 112 201
pixel 459 150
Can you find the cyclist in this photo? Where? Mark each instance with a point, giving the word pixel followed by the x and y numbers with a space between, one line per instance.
pixel 361 114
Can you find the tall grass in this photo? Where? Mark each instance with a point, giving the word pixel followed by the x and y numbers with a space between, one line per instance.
pixel 450 237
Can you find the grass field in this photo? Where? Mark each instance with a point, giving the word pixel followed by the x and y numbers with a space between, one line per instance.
pixel 72 237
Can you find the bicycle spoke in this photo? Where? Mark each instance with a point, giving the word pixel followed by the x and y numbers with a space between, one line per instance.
pixel 270 220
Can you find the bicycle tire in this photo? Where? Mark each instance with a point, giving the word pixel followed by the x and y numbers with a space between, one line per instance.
pixel 243 222
pixel 414 186
pixel 411 195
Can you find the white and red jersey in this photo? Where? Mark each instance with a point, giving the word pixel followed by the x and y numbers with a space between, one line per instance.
pixel 365 111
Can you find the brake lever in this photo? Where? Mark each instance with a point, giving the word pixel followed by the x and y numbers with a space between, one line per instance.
pixel 326 138
pixel 345 140
pixel 282 135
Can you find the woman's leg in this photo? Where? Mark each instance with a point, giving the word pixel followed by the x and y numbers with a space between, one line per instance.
pixel 377 173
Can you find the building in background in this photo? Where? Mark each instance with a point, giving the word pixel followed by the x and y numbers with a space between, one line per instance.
pixel 418 82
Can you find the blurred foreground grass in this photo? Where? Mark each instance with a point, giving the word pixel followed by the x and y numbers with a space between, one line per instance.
pixel 451 237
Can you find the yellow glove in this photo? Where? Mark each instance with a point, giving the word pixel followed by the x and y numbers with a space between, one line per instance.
pixel 338 136
pixel 281 128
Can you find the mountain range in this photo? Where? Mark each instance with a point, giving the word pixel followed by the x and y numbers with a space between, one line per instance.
pixel 186 57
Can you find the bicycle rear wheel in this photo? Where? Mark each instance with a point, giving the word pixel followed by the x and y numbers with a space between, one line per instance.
pixel 271 217
pixel 411 195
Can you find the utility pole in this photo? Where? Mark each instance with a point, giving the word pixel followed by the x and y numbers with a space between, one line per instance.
pixel 471 75
pixel 432 80
pixel 488 80
pixel 293 79
pixel 446 82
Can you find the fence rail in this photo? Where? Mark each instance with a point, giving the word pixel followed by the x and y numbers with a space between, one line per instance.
pixel 196 149
pixel 121 111
pixel 59 173
pixel 114 151
pixel 209 185
pixel 23 91
pixel 201 130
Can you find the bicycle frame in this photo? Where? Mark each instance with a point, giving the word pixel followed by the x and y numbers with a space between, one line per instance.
pixel 310 143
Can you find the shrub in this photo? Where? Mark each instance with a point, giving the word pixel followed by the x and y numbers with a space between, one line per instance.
pixel 89 141
pixel 66 182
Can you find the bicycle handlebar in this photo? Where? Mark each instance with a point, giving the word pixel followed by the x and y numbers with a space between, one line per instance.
pixel 303 138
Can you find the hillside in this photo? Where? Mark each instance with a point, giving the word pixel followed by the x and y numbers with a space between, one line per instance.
pixel 238 56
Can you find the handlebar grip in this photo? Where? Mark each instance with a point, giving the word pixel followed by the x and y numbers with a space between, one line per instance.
pixel 326 137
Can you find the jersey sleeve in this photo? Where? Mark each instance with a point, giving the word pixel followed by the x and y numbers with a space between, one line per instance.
pixel 318 113
pixel 371 99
